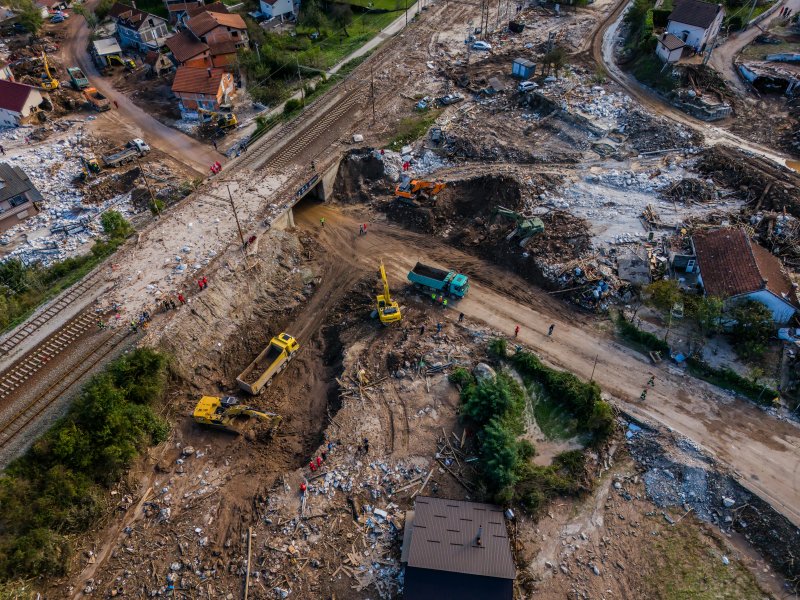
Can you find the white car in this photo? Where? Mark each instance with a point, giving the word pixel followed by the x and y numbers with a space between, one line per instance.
pixel 527 86
pixel 479 45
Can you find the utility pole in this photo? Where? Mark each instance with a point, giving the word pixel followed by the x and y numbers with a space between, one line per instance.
pixel 236 216
pixel 406 13
pixel 300 77
pixel 149 189
pixel 591 379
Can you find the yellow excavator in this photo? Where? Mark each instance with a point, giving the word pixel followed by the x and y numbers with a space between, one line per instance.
pixel 223 413
pixel 388 309
pixel 48 81
pixel 225 120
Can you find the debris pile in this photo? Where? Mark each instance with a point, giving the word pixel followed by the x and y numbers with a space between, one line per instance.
pixel 691 189
pixel 650 134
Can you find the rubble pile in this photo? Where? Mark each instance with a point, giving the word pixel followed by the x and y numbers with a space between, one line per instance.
pixel 650 134
pixel 681 475
pixel 691 189
pixel 762 184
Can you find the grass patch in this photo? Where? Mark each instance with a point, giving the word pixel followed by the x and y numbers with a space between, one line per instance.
pixel 647 69
pixel 388 5
pixel 155 7
pixel 686 564
pixel 59 487
pixel 23 288
pixel 729 379
pixel 553 419
pixel 412 128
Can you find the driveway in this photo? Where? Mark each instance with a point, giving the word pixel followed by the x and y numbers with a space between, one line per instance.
pixel 127 116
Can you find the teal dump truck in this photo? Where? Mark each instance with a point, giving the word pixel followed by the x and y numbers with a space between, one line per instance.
pixel 439 281
pixel 78 79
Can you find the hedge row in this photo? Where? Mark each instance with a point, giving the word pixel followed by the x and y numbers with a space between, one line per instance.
pixel 727 378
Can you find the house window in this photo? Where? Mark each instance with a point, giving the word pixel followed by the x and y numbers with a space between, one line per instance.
pixel 234 34
pixel 17 200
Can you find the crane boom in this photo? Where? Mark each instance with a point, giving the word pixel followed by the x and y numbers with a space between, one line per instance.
pixel 387 298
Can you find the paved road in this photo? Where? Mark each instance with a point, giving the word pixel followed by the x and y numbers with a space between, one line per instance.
pixel 128 116
pixel 723 55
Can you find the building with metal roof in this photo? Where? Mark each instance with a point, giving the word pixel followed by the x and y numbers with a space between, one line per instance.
pixel 457 549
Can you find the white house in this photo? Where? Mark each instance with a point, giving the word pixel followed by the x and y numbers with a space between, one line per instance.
pixel 18 102
pixel 669 48
pixel 277 9
pixel 695 23
pixel 733 268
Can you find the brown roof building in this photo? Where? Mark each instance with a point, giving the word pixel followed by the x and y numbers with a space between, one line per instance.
pixel 214 27
pixel 733 267
pixel 457 549
pixel 202 90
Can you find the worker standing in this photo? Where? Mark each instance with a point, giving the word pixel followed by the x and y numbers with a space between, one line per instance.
pixel 365 229
pixel 421 329
pixel 643 397
pixel 516 331
pixel 652 381
pixel 439 327
pixel 322 221
pixel 461 317
pixel 181 299
pixel 444 303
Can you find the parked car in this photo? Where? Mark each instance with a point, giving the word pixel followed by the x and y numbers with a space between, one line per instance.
pixel 480 45
pixel 57 19
pixel 449 99
pixel 527 86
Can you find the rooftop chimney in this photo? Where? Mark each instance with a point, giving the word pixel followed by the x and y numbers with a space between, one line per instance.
pixel 479 540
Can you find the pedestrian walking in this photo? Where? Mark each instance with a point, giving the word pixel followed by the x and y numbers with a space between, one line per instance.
pixel 643 397
pixel 516 331
pixel 172 304
pixel 433 297
pixel 444 303
pixel 303 488
pixel 205 282
pixel 319 462
pixel 550 329
pixel 652 381
pixel 439 327
pixel 421 329
pixel 116 104
pixel 366 446
pixel 200 284
pixel 324 455
pixel 360 230
pixel 2 151
pixel 313 165
pixel 312 465
pixel 100 324
pixel 365 229
pixel 215 144
pixel 181 299
pixel 322 221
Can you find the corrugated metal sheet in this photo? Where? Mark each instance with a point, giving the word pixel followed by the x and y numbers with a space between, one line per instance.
pixel 444 537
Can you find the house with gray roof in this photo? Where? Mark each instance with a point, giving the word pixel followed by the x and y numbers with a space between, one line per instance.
pixel 18 196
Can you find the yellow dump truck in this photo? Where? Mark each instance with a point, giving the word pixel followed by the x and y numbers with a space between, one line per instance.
pixel 272 360
pixel 226 412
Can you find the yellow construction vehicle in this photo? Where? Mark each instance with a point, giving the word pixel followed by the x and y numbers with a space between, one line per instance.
pixel 409 190
pixel 388 309
pixel 223 413
pixel 224 120
pixel 48 81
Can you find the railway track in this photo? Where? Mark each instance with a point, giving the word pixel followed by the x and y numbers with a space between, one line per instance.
pixel 12 427
pixel 35 360
pixel 30 327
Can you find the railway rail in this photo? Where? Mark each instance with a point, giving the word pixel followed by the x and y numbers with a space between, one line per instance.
pixel 73 294
pixel 37 359
pixel 32 410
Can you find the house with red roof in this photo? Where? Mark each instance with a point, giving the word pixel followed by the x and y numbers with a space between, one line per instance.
pixel 202 90
pixel 734 268
pixel 19 102
pixel 216 27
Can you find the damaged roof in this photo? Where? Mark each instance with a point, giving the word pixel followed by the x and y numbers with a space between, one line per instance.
pixel 444 537
pixel 732 265
pixel 131 17
pixel 184 46
pixel 695 12
pixel 215 7
pixel 671 42
pixel 14 181
pixel 192 80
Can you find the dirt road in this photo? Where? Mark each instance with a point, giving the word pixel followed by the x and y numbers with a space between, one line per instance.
pixel 761 450
pixel 723 55
pixel 126 116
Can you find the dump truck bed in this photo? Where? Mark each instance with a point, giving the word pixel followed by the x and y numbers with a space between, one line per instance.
pixel 271 360
pixel 430 272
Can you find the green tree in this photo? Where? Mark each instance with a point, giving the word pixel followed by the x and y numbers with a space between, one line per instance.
pixel 103 8
pixel 29 14
pixel 500 456
pixel 342 16
pixel 313 17
pixel 664 293
pixel 14 275
pixel 708 312
pixel 115 226
pixel 752 328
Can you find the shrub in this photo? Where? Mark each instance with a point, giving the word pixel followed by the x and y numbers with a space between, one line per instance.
pixel 461 377
pixel 752 328
pixel 660 16
pixel 727 378
pixel 292 105
pixel 58 486
pixel 498 348
pixel 114 225
pixel 664 293
pixel 630 332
